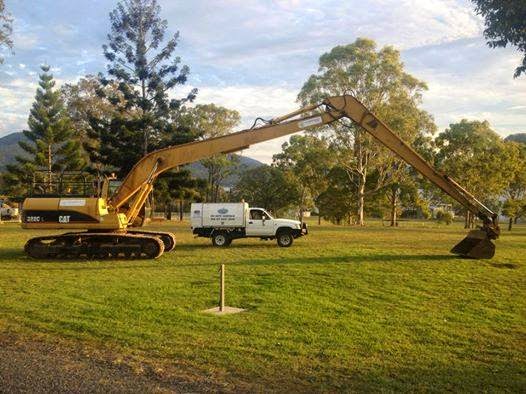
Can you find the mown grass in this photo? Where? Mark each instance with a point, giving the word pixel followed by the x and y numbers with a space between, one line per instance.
pixel 345 308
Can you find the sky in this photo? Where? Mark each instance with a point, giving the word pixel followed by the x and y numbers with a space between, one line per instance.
pixel 254 55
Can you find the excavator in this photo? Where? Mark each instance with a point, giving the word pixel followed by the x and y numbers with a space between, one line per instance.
pixel 106 219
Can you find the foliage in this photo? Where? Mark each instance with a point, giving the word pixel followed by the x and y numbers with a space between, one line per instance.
pixel 83 104
pixel 336 202
pixel 308 159
pixel 267 187
pixel 475 156
pixel 178 185
pixel 377 78
pixel 443 216
pixel 144 70
pixel 515 192
pixel 6 28
pixel 210 121
pixel 505 23
pixel 52 145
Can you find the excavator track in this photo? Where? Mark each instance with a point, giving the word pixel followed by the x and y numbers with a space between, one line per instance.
pixel 167 238
pixel 92 245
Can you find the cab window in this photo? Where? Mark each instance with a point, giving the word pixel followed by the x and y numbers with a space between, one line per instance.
pixel 256 214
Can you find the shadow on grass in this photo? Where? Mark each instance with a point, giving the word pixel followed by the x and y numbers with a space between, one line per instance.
pixel 124 264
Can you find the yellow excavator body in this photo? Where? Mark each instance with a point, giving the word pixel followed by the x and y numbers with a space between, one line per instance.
pixel 88 213
pixel 107 217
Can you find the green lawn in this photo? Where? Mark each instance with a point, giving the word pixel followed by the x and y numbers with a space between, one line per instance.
pixel 345 308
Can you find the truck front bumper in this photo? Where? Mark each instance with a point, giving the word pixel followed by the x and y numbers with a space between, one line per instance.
pixel 300 232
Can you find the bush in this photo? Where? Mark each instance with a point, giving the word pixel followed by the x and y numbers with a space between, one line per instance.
pixel 444 217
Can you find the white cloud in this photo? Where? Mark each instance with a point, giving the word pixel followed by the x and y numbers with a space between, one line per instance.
pixel 252 102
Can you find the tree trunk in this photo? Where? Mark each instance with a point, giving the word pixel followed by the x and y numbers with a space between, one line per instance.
pixel 394 202
pixel 49 165
pixel 510 224
pixel 319 218
pixel 361 201
pixel 145 132
pixel 181 210
pixel 168 209
pixel 467 219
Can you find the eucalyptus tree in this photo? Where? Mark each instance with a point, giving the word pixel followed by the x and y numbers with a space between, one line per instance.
pixel 378 79
pixel 209 121
pixel 505 22
pixel 6 29
pixel 475 156
pixel 309 159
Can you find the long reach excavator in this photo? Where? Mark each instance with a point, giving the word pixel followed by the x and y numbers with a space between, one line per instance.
pixel 106 218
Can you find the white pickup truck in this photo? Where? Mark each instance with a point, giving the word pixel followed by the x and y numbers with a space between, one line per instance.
pixel 224 222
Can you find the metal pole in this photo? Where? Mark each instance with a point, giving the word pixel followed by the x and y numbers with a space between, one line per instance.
pixel 222 289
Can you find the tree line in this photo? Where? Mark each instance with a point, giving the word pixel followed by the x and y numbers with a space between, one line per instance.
pixel 107 122
pixel 340 170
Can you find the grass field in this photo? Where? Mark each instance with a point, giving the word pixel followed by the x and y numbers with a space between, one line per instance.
pixel 345 308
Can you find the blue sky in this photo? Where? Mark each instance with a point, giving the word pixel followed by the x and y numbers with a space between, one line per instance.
pixel 254 56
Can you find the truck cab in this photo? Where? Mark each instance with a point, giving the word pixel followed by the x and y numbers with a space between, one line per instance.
pixel 224 222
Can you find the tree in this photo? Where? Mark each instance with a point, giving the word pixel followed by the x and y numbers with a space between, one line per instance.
pixel 377 78
pixel 51 144
pixel 475 156
pixel 6 29
pixel 335 203
pixel 266 187
pixel 401 182
pixel 309 159
pixel 515 191
pixel 178 185
pixel 505 23
pixel 82 102
pixel 144 69
pixel 209 121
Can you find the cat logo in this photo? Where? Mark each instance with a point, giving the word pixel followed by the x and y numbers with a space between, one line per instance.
pixel 64 219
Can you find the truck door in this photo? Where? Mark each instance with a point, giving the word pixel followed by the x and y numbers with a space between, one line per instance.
pixel 259 224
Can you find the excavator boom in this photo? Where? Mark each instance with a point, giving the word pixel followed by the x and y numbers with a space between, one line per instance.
pixel 126 203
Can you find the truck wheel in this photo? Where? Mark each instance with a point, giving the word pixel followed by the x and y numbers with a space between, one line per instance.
pixel 285 239
pixel 221 239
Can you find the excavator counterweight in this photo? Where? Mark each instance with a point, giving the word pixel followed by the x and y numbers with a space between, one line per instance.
pixel 107 218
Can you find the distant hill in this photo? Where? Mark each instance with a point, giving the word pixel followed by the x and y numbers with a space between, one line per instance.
pixel 9 149
pixel 519 137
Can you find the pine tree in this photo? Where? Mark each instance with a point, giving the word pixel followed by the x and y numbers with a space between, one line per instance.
pixel 51 145
pixel 143 67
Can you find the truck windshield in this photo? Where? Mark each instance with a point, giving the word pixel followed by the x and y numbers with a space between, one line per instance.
pixel 267 215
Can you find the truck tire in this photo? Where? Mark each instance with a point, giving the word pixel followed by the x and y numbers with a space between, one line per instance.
pixel 284 239
pixel 221 239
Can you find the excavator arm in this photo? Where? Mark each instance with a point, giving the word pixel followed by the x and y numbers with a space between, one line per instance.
pixel 134 190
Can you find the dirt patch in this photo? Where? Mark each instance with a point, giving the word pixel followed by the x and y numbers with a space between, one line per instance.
pixel 41 367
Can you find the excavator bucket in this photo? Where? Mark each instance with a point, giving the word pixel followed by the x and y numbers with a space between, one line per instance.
pixel 476 245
